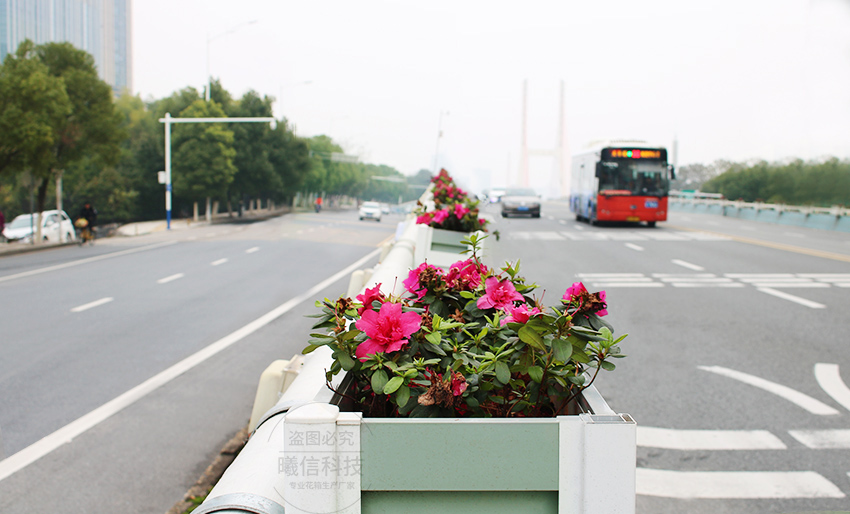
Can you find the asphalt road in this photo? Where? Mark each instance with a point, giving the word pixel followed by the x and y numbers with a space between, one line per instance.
pixel 720 314
pixel 728 322
pixel 82 326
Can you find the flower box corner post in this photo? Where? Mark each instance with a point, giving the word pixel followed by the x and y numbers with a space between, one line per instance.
pixel 597 456
pixel 321 461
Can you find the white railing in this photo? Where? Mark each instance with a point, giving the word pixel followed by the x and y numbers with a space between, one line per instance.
pixel 835 210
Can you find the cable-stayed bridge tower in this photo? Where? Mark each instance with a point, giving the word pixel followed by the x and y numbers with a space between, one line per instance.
pixel 560 183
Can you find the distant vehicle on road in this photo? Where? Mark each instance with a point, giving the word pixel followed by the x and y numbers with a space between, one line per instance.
pixel 621 181
pixel 370 211
pixel 56 226
pixel 520 200
pixel 495 194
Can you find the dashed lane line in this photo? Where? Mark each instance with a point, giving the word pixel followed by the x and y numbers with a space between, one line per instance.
pixel 803 401
pixel 252 250
pixel 218 262
pixel 791 298
pixel 66 434
pixel 634 247
pixel 675 439
pixel 686 264
pixel 91 305
pixel 170 278
pixel 84 261
pixel 734 484
pixel 829 379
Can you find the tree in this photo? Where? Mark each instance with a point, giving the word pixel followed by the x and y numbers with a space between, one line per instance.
pixel 256 174
pixel 91 128
pixel 33 105
pixel 203 153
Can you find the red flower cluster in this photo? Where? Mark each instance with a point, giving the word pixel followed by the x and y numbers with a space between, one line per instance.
pixel 454 209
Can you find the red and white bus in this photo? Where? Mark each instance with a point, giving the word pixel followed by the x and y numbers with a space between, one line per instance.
pixel 621 181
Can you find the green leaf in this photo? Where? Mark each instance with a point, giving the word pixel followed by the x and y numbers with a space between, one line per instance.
pixel 309 349
pixel 563 350
pixel 402 396
pixel 503 373
pixel 536 373
pixel 379 380
pixel 345 360
pixel 530 337
pixel 393 385
pixel 607 365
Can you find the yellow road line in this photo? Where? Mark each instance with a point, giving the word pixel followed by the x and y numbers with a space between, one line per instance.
pixel 769 244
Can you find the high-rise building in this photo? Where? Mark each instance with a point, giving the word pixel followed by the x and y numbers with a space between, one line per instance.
pixel 100 27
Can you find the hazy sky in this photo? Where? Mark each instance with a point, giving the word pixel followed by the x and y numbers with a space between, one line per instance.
pixel 730 79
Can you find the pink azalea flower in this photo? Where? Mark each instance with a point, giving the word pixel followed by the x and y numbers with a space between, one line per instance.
pixel 424 219
pixel 441 215
pixel 575 292
pixel 498 294
pixel 412 283
pixel 465 275
pixel 603 311
pixel 460 210
pixel 519 314
pixel 369 296
pixel 387 330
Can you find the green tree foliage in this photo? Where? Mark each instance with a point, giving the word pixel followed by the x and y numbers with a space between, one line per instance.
pixel 821 183
pixel 202 154
pixel 92 129
pixel 33 106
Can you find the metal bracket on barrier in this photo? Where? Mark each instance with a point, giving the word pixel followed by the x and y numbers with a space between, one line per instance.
pixel 240 502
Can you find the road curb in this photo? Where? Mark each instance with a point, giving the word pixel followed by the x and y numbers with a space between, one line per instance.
pixel 212 474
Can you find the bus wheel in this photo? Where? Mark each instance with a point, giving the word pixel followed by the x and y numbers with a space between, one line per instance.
pixel 650 224
pixel 579 218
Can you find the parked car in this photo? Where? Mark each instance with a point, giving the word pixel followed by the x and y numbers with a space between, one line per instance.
pixel 520 200
pixel 370 211
pixel 54 224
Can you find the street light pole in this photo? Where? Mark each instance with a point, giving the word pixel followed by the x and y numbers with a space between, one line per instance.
pixel 168 121
pixel 209 40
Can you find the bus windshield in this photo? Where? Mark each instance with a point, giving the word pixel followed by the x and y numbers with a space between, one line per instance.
pixel 628 177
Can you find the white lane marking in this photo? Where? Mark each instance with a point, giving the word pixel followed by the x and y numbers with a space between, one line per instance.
pixel 702 284
pixel 829 379
pixel 715 280
pixel 609 275
pixel 562 222
pixel 823 439
pixel 795 285
pixel 252 250
pixel 547 236
pixel 551 218
pixel 578 227
pixel 672 439
pixel 627 284
pixel 218 262
pixel 84 261
pixel 734 484
pixel 66 434
pixel 688 265
pixel 801 400
pixel 92 305
pixel 170 278
pixel 759 275
pixel 634 247
pixel 792 298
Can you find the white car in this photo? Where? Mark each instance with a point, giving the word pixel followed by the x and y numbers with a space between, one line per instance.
pixel 370 211
pixel 54 225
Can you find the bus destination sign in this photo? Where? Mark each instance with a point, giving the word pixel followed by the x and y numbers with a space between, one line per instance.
pixel 633 153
